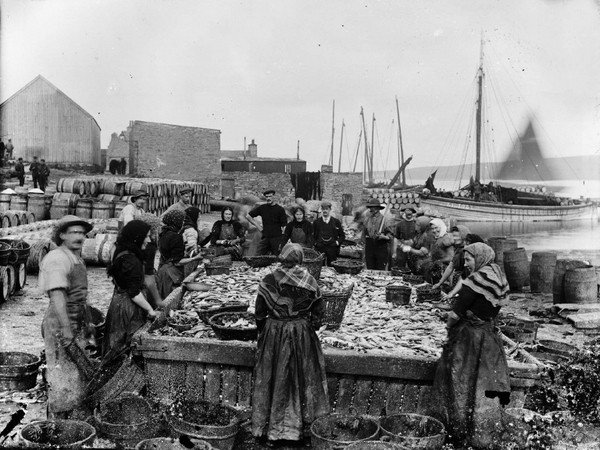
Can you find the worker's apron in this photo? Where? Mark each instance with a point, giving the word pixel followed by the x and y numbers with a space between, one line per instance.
pixel 298 236
pixel 65 383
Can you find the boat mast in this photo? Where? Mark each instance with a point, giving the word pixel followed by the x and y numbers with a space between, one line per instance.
pixel 332 134
pixel 357 148
pixel 400 147
pixel 341 140
pixel 366 169
pixel 478 116
pixel 372 149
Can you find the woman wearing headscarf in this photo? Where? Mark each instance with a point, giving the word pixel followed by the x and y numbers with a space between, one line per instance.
pixel 441 251
pixel 128 308
pixel 228 235
pixel 190 238
pixel 471 382
pixel 418 249
pixel 290 385
pixel 459 234
pixel 299 230
pixel 172 253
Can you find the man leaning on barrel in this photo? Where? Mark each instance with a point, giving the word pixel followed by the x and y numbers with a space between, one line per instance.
pixel 63 277
pixel 274 220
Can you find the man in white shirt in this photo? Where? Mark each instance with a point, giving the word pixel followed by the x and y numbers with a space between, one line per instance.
pixel 135 209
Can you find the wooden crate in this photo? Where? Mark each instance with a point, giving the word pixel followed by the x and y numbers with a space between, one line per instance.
pixel 221 371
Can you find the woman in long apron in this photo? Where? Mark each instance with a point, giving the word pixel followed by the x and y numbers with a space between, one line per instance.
pixel 290 385
pixel 228 235
pixel 299 230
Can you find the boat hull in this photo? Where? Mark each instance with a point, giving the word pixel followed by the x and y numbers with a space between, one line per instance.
pixel 468 210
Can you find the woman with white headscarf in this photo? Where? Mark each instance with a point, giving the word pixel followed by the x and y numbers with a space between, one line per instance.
pixel 471 382
pixel 441 251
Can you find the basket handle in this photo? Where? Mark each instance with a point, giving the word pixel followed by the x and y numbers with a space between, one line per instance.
pixel 13 257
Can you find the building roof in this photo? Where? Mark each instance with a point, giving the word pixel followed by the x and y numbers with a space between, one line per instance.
pixel 232 153
pixel 256 159
pixel 172 125
pixel 39 77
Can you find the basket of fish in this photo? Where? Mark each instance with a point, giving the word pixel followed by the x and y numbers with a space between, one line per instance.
pixel 428 293
pixel 413 279
pixel 182 320
pixel 349 266
pixel 217 268
pixel 240 326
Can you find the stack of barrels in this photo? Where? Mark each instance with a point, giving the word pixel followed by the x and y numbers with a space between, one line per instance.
pixel 18 209
pixel 105 198
pixel 396 199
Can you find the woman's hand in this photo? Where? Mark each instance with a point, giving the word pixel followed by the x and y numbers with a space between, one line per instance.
pixel 406 248
pixel 437 285
pixel 152 314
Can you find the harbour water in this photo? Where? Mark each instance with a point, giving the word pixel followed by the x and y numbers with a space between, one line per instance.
pixel 573 239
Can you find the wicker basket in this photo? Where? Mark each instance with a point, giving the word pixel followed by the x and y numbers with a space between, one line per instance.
pixel 5 253
pixel 350 266
pixel 399 272
pixel 313 261
pixel 206 314
pixel 398 295
pixel 334 303
pixel 216 269
pixel 413 279
pixel 228 333
pixel 428 294
pixel 223 260
pixel 260 261
pixel 519 329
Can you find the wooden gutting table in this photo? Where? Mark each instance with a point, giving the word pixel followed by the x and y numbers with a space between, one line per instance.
pixel 221 371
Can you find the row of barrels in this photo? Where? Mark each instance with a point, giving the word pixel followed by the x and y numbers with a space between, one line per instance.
pixel 395 195
pixel 569 280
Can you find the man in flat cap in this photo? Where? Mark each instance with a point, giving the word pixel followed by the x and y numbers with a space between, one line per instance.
pixel 329 234
pixel 185 200
pixel 135 209
pixel 377 237
pixel 274 219
pixel 63 276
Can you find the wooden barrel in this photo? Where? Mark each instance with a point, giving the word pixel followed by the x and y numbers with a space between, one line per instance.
pixel 102 210
pixel 18 203
pixel 558 281
pixel 59 208
pixel 12 277
pixel 516 267
pixel 500 245
pixel 4 284
pixel 94 188
pixel 541 271
pixel 71 200
pixel 69 185
pixel 581 285
pixel 27 217
pixel 109 197
pixel 131 187
pixel 11 219
pixel 39 249
pixel 119 207
pixel 113 188
pixel 5 202
pixel 20 276
pixel 37 206
pixel 84 208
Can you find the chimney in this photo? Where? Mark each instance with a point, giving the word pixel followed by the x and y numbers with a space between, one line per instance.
pixel 252 149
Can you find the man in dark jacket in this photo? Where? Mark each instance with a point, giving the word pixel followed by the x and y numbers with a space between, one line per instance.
pixel 274 219
pixel 329 234
pixel 404 232
pixel 34 168
pixel 44 174
pixel 377 237
pixel 20 171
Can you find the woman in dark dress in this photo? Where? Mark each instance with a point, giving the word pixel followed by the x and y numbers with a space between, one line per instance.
pixel 472 380
pixel 190 238
pixel 299 230
pixel 128 308
pixel 441 251
pixel 290 385
pixel 172 253
pixel 228 235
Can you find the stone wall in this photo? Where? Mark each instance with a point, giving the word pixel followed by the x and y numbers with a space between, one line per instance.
pixel 254 183
pixel 159 150
pixel 333 185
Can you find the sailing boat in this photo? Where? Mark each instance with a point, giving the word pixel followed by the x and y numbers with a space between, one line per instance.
pixel 536 208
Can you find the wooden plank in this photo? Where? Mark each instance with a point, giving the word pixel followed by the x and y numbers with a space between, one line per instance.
pixel 378 397
pixel 411 398
pixel 394 397
pixel 230 386
pixel 424 397
pixel 194 380
pixel 157 374
pixel 212 376
pixel 585 320
pixel 245 387
pixel 345 394
pixel 362 394
pixel 177 380
pixel 332 390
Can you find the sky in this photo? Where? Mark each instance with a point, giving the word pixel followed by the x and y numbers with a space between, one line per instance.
pixel 269 71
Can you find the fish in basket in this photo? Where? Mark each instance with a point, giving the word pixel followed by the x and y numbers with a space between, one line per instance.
pixel 413 279
pixel 260 261
pixel 428 293
pixel 216 268
pixel 182 320
pixel 349 266
pixel 334 305
pixel 240 326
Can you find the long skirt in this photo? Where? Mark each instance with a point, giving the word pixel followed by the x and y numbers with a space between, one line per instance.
pixel 470 385
pixel 168 277
pixel 290 385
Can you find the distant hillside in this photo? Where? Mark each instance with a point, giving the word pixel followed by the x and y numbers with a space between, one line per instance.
pixel 571 168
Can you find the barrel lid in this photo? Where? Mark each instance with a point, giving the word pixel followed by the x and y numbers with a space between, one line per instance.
pixel 8 191
pixel 35 191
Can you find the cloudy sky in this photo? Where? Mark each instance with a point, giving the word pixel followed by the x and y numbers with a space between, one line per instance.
pixel 269 70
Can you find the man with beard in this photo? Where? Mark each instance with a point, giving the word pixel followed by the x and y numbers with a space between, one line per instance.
pixel 63 277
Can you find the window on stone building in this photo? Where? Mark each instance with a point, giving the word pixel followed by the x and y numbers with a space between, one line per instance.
pixel 287 168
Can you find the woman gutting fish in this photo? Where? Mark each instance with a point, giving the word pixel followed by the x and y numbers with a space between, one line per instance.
pixel 290 385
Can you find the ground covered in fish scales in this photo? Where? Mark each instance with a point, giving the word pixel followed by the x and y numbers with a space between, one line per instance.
pixel 22 315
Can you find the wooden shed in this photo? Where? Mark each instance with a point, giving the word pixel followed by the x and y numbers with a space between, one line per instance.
pixel 43 121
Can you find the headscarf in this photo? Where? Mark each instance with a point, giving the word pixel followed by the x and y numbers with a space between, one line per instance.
pixel 291 272
pixel 131 237
pixel 441 225
pixel 462 231
pixel 422 222
pixel 486 279
pixel 173 220
pixel 191 217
